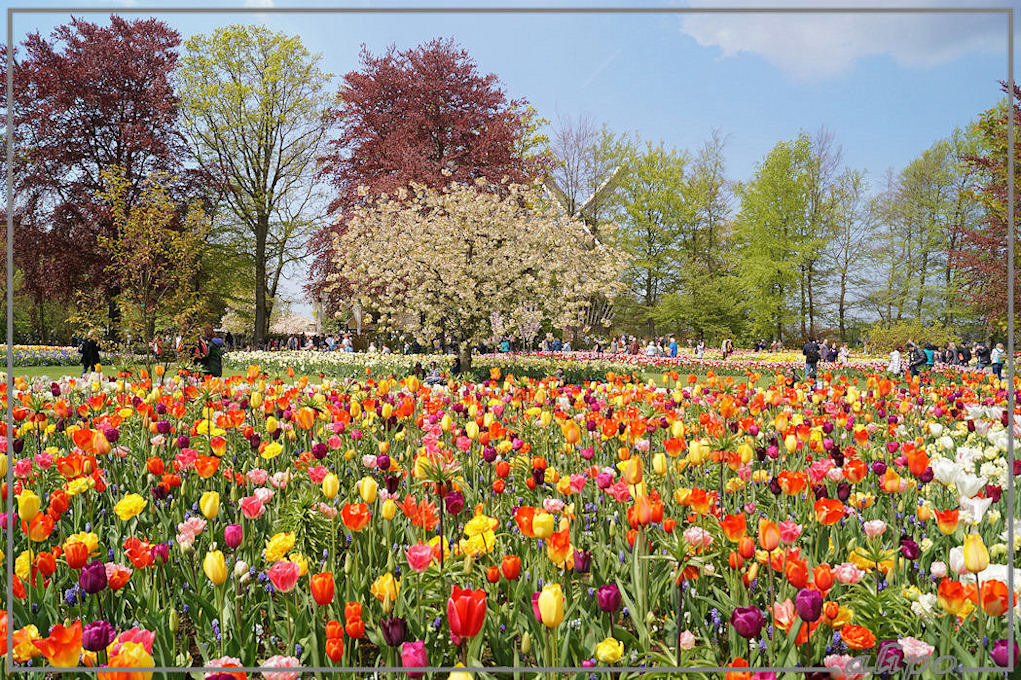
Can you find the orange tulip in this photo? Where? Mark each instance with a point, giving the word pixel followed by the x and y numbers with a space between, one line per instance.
pixel 953 596
pixel 63 647
pixel 206 466
pixel 76 554
pixel 947 520
pixel 858 637
pixel 734 527
pixel 994 598
pixel 322 588
pixel 305 418
pixel 828 511
pixel 769 535
pixel 524 517
pixel 822 575
pixel 356 516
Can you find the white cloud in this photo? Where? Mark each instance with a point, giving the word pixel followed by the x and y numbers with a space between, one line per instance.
pixel 258 3
pixel 820 46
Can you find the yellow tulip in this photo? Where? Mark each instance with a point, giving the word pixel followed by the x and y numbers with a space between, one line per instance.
pixel 367 489
pixel 976 557
pixel 659 464
pixel 331 486
pixel 609 650
pixel 389 509
pixel 386 588
pixel 28 505
pixel 551 605
pixel 215 567
pixel 542 524
pixel 209 504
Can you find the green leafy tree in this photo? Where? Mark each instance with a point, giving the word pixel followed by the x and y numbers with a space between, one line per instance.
pixel 254 103
pixel 154 255
pixel 770 230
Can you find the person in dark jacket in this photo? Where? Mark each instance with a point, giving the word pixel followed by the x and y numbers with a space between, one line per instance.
pixel 812 354
pixel 90 353
pixel 917 358
pixel 209 353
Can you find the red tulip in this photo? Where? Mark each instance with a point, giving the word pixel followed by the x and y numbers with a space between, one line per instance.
pixel 466 612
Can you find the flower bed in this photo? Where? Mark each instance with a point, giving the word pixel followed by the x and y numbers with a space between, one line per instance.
pixel 508 522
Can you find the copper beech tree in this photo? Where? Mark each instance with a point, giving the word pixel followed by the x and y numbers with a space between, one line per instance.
pixel 425 115
pixel 453 256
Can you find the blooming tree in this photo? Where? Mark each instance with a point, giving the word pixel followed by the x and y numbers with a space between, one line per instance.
pixel 528 318
pixel 451 257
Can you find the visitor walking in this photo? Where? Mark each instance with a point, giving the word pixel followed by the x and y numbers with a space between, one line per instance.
pixel 90 352
pixel 916 359
pixel 812 353
pixel 996 357
pixel 700 349
pixel 896 366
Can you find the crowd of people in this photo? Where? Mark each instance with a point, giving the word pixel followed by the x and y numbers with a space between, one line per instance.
pixel 915 358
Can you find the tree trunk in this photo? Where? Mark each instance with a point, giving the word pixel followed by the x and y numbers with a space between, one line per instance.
pixel 464 351
pixel 261 231
pixel 114 311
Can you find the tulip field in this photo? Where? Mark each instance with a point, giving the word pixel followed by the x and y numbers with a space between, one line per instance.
pixel 699 520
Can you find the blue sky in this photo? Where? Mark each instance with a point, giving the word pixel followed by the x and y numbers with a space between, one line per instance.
pixel 887 86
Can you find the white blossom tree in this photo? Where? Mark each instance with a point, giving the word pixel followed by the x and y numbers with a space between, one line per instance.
pixel 528 319
pixel 441 261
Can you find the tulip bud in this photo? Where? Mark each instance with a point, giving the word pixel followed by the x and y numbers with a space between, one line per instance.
pixel 173 623
pixel 468 563
pixel 526 643
pixel 389 509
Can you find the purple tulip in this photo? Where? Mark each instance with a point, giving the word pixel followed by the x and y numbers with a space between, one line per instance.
pixel 747 621
pixel 878 468
pixel 582 561
pixel 1001 653
pixel 808 602
pixel 98 635
pixel 112 434
pixel 92 577
pixel 163 427
pixel 608 598
pixel 454 502
pixel 909 550
pixel 161 553
pixel 395 629
pixel 383 462
pixel 889 656
pixel 319 450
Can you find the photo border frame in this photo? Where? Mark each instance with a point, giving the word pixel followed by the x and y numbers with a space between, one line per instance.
pixel 1007 12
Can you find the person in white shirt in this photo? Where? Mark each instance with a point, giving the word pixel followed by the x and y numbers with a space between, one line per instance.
pixel 700 349
pixel 895 365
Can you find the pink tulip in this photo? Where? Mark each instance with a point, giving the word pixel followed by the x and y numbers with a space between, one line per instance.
pixel 420 556
pixel 252 507
pixel 284 575
pixel 413 655
pixel 232 535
